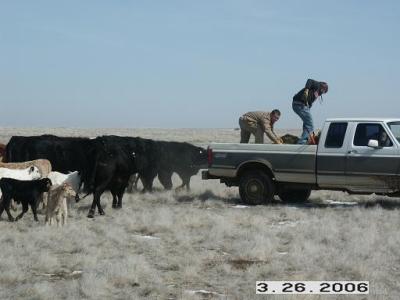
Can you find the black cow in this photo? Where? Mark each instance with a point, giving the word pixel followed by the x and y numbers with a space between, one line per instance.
pixel 162 158
pixel 114 164
pixel 26 192
pixel 66 154
pixel 182 158
pixel 146 156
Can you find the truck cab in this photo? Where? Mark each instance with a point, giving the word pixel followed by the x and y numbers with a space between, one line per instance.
pixel 359 155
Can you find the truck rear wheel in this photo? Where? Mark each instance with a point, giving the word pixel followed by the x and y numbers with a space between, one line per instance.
pixel 256 187
pixel 294 195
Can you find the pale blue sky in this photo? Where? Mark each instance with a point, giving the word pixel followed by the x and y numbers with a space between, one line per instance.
pixel 193 63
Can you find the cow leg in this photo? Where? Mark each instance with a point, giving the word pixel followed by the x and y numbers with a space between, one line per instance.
pixel 6 205
pixel 136 181
pixel 188 184
pixel 147 183
pixel 59 217
pixel 13 207
pixel 114 203
pixel 93 207
pixel 63 219
pixel 129 188
pixel 33 207
pixel 65 212
pixel 120 195
pixel 99 208
pixel 132 183
pixel 165 179
pixel 1 206
pixel 43 198
pixel 179 188
pixel 185 182
pixel 96 202
pixel 77 199
pixel 25 208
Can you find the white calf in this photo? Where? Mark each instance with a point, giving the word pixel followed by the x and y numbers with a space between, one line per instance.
pixel 57 204
pixel 57 178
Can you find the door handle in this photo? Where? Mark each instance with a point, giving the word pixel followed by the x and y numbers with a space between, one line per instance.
pixel 352 152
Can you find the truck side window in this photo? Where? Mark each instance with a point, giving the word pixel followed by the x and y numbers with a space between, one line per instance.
pixel 371 131
pixel 335 136
pixel 395 128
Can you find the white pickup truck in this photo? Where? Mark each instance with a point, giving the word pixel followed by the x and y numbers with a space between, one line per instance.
pixel 358 155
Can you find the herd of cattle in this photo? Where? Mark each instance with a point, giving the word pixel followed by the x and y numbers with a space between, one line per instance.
pixel 50 169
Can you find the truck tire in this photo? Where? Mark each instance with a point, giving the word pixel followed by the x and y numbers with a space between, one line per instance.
pixel 294 195
pixel 256 187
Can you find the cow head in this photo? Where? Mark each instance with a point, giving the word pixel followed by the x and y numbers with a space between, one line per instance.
pixel 199 156
pixel 34 172
pixel 68 190
pixel 46 182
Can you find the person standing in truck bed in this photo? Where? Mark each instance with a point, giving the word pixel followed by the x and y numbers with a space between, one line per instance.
pixel 302 103
pixel 258 122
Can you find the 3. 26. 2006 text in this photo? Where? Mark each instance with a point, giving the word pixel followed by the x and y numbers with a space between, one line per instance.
pixel 312 287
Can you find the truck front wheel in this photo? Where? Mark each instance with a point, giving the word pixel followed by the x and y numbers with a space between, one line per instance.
pixel 294 195
pixel 256 187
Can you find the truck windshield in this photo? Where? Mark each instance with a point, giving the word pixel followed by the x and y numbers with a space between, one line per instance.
pixel 395 128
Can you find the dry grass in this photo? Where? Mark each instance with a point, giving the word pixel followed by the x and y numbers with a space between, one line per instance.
pixel 201 245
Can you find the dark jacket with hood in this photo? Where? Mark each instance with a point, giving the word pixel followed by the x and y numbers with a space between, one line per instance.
pixel 306 95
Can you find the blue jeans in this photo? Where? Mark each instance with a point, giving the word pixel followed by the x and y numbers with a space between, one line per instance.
pixel 304 113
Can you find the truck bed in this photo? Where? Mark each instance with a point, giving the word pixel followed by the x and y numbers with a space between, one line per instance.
pixel 289 163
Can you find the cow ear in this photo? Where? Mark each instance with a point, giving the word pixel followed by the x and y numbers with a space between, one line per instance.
pixel 31 169
pixel 134 154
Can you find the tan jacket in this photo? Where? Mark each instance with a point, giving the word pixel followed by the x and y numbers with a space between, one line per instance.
pixel 263 119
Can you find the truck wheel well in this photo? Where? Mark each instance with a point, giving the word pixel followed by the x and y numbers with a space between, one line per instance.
pixel 255 166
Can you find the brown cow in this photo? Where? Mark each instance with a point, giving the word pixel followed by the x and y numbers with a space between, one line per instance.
pixel 43 165
pixel 2 152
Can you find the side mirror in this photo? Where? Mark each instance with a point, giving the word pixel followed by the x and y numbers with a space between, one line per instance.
pixel 373 144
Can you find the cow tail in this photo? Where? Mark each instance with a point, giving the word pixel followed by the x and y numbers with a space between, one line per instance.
pixel 90 177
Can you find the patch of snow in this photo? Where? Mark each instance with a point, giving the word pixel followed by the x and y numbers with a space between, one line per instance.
pixel 333 202
pixel 285 223
pixel 240 206
pixel 204 292
pixel 148 237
